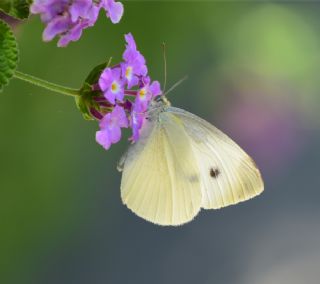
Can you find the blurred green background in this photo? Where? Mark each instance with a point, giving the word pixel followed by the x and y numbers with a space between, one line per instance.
pixel 253 72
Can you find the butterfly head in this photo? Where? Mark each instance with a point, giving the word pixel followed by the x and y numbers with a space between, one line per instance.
pixel 159 102
pixel 157 105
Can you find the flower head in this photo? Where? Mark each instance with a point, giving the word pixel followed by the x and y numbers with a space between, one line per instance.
pixel 115 83
pixel 67 18
pixel 111 84
pixel 110 127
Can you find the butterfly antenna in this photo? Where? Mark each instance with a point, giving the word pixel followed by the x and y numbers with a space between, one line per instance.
pixel 164 66
pixel 176 85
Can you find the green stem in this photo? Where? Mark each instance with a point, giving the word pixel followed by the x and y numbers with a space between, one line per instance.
pixel 47 85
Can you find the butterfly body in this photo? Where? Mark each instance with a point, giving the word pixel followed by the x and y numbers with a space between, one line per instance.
pixel 182 163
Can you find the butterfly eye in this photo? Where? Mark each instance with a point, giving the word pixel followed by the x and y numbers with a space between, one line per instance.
pixel 158 99
pixel 214 172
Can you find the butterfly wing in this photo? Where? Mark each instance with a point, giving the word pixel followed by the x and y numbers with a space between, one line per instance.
pixel 159 181
pixel 227 173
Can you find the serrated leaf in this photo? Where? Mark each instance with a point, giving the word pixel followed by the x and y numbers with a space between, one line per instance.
pixel 8 54
pixel 16 8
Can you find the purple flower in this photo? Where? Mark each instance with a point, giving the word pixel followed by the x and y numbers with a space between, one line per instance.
pixel 132 70
pixel 117 82
pixel 137 119
pixel 131 43
pixel 80 8
pixel 146 93
pixel 128 75
pixel 131 53
pixel 111 84
pixel 154 88
pixel 58 25
pixel 48 9
pixel 73 34
pixel 143 98
pixel 140 107
pixel 67 18
pixel 134 65
pixel 114 10
pixel 110 127
pixel 93 13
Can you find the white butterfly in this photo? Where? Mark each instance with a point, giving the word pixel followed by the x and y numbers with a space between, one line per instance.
pixel 182 163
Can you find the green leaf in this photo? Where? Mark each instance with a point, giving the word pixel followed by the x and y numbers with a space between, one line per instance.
pixel 85 101
pixel 16 8
pixel 83 107
pixel 95 73
pixel 8 54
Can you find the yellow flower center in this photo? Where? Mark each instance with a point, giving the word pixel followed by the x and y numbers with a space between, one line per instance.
pixel 114 87
pixel 142 93
pixel 128 72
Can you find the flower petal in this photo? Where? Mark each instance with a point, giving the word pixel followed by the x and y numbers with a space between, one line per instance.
pixel 74 34
pixel 114 10
pixel 120 115
pixel 79 8
pixel 115 134
pixel 57 26
pixel 130 41
pixel 105 79
pixel 110 96
pixel 136 121
pixel 102 137
pixel 155 88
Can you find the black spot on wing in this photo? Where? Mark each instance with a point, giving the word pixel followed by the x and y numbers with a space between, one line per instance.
pixel 214 172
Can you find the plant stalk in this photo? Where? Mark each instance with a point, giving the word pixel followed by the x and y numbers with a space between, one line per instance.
pixel 46 85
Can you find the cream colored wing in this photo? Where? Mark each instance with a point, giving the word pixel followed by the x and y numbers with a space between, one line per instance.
pixel 227 173
pixel 159 181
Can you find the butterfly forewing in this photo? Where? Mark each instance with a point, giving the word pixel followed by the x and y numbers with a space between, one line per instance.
pixel 228 174
pixel 161 181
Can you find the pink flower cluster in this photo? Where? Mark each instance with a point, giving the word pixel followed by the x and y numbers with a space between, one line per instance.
pixel 118 84
pixel 68 18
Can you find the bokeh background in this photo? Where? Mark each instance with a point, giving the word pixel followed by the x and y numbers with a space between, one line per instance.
pixel 254 72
